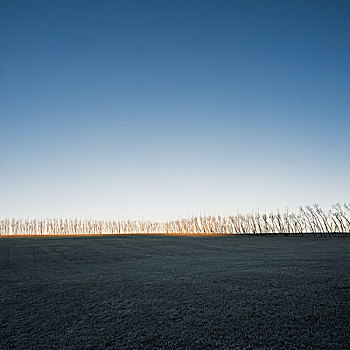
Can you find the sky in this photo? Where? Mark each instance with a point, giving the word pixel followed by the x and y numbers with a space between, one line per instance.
pixel 165 109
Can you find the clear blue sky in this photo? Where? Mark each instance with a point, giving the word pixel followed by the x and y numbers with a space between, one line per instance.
pixel 160 109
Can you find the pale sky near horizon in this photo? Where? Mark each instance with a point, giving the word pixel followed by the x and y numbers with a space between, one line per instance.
pixel 163 109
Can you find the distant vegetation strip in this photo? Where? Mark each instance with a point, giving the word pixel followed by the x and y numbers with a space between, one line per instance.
pixel 309 219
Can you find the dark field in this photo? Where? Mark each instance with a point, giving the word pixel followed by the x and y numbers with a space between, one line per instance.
pixel 175 292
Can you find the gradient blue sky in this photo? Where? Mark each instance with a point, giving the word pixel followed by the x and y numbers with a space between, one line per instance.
pixel 161 109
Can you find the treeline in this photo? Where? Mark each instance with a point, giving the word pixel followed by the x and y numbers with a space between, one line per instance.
pixel 309 219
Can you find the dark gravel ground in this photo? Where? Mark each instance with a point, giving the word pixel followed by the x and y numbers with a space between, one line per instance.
pixel 166 292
